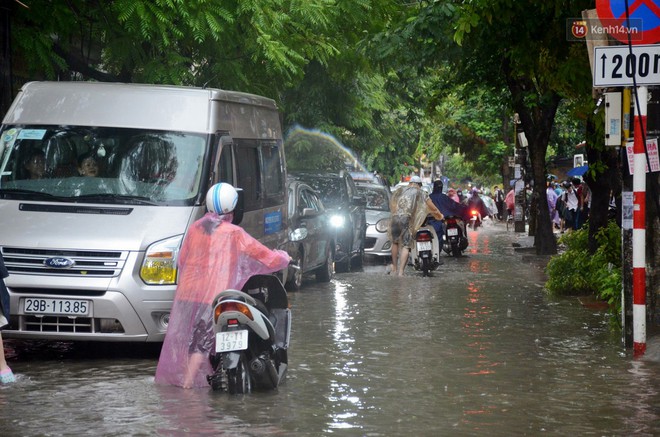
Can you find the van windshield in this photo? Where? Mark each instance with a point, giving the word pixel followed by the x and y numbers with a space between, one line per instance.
pixel 100 165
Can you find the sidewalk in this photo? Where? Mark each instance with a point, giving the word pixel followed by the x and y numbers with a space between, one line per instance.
pixel 524 245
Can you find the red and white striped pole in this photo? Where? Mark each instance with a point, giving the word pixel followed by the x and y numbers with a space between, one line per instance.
pixel 639 225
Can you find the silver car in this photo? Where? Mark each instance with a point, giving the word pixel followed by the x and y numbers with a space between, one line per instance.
pixel 377 242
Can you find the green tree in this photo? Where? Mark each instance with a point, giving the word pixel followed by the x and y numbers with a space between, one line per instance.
pixel 518 46
pixel 251 45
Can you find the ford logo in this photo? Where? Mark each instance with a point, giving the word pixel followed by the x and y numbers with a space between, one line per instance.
pixel 59 263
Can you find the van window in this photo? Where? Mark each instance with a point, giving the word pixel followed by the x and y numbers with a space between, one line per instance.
pixel 225 170
pixel 134 165
pixel 273 175
pixel 248 175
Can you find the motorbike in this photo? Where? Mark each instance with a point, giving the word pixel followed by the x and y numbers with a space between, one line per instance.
pixel 252 330
pixel 426 250
pixel 455 241
pixel 475 219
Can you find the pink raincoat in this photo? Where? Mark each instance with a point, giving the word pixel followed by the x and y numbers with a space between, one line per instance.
pixel 215 256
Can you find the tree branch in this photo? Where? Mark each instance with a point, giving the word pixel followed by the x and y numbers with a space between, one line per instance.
pixel 79 65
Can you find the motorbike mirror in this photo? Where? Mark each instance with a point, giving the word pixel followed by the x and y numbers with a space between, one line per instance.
pixel 298 234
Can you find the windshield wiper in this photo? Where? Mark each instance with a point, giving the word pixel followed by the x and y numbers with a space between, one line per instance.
pixel 114 198
pixel 98 198
pixel 4 192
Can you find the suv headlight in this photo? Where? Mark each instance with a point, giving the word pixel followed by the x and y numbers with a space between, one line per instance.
pixel 337 220
pixel 159 265
pixel 383 225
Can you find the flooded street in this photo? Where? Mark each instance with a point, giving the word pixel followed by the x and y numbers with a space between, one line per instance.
pixel 477 349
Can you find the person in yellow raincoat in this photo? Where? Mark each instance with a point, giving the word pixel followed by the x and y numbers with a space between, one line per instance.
pixel 216 255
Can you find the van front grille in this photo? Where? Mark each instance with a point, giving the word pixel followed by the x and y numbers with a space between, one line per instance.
pixel 64 324
pixel 57 324
pixel 82 262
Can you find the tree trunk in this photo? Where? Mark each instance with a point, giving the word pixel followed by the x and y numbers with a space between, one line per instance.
pixel 536 110
pixel 601 185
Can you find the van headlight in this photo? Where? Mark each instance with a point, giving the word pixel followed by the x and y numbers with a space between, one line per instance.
pixel 383 225
pixel 159 265
pixel 337 220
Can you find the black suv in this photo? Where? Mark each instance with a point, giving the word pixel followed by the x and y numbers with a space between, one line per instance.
pixel 347 214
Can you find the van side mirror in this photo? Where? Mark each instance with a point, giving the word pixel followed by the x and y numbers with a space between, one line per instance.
pixel 309 212
pixel 238 211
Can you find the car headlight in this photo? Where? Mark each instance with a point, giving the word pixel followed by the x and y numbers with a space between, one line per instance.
pixel 383 225
pixel 337 221
pixel 159 265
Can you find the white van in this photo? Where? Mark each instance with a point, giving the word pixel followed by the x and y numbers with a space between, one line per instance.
pixel 94 257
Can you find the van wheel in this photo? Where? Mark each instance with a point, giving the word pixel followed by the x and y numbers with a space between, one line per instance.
pixel 324 273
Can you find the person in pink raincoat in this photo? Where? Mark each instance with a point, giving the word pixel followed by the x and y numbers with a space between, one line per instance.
pixel 216 255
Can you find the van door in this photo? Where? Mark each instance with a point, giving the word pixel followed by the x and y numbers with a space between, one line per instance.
pixel 256 167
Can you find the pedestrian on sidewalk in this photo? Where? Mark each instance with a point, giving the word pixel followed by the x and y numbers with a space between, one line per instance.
pixel 498 195
pixel 571 204
pixel 510 201
pixel 552 204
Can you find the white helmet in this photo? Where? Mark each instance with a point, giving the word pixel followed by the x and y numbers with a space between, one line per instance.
pixel 221 198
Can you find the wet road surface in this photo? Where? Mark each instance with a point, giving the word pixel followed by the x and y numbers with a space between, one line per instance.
pixel 477 349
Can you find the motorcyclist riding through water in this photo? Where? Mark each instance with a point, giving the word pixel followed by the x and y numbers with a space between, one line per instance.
pixel 447 207
pixel 215 255
pixel 476 203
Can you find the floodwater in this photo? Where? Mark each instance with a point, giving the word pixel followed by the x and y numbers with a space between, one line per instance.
pixel 477 349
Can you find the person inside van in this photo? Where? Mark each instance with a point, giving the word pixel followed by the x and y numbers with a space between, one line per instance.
pixel 35 164
pixel 88 165
pixel 216 255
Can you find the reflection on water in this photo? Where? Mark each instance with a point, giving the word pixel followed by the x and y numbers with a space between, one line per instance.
pixel 478 348
pixel 346 365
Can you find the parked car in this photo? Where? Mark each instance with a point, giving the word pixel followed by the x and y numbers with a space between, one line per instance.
pixel 313 249
pixel 347 214
pixel 377 242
